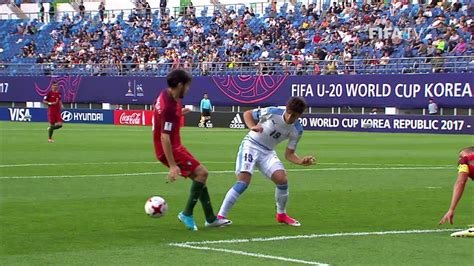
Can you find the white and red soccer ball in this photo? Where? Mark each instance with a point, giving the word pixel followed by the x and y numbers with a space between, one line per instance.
pixel 156 207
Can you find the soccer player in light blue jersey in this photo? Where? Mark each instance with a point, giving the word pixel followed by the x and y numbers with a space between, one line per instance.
pixel 273 126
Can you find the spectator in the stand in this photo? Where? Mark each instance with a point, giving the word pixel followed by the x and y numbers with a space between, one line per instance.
pixel 367 59
pixel 460 48
pixel 374 61
pixel 274 7
pixel 29 50
pixel 456 6
pixel 385 59
pixel 432 107
pixel 163 4
pixel 82 9
pixel 147 10
pixel 335 8
pixel 52 12
pixel 440 44
pixel 190 10
pixel 30 29
pixel 438 63
pixel 373 111
pixel 431 50
pixel 101 11
pixel 332 67
pixel 41 12
pixel 408 52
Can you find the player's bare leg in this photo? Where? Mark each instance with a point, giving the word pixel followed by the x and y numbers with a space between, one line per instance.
pixel 280 179
pixel 51 129
pixel 243 181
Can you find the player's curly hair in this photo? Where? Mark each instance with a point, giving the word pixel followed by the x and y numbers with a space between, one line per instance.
pixel 296 105
pixel 178 76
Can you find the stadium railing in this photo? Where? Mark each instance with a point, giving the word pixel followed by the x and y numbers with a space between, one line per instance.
pixel 199 11
pixel 447 64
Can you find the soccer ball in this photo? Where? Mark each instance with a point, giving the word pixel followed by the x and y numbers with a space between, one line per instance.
pixel 156 207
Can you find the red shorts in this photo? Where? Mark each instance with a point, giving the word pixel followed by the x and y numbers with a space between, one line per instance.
pixel 54 117
pixel 184 159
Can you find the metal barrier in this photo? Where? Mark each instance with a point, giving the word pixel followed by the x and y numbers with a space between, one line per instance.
pixel 453 64
pixel 199 11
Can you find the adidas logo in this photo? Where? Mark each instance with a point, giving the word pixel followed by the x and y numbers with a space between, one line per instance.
pixel 237 122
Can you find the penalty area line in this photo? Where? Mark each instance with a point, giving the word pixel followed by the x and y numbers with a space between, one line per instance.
pixel 249 254
pixel 280 238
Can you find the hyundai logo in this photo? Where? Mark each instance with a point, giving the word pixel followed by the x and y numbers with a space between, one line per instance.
pixel 66 116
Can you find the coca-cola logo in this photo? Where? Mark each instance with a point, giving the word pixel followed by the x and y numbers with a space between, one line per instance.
pixel 131 119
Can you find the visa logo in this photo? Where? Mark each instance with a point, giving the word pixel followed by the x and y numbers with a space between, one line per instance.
pixel 19 114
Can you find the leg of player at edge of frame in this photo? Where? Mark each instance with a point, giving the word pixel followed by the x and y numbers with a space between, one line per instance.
pixel 200 192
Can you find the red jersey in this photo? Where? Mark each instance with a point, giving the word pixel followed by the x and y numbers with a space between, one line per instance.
pixel 167 119
pixel 55 99
pixel 466 165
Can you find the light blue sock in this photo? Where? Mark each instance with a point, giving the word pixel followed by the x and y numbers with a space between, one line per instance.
pixel 281 197
pixel 231 197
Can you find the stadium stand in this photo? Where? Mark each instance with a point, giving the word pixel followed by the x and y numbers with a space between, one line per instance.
pixel 295 39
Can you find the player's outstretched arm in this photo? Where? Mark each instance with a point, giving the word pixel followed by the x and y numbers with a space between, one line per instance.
pixel 168 150
pixel 291 156
pixel 457 194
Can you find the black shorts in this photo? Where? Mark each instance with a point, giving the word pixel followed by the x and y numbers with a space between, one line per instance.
pixel 206 112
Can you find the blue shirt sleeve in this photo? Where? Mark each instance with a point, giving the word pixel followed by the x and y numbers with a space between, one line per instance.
pixel 256 114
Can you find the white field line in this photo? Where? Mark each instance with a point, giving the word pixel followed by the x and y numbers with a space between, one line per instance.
pixel 200 245
pixel 60 164
pixel 222 172
pixel 250 254
pixel 205 162
pixel 280 238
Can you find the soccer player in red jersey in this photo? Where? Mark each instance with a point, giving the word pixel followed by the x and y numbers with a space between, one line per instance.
pixel 53 100
pixel 170 151
pixel 465 171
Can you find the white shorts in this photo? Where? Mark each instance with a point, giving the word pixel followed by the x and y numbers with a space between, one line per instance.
pixel 250 155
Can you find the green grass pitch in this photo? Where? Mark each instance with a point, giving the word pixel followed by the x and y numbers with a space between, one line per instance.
pixel 82 211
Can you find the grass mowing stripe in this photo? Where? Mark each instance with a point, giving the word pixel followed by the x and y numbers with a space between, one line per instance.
pixel 222 172
pixel 209 162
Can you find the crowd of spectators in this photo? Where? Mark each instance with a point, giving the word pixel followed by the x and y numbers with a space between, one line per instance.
pixel 298 41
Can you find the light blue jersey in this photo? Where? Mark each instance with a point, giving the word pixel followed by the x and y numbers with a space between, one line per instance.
pixel 205 104
pixel 275 129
